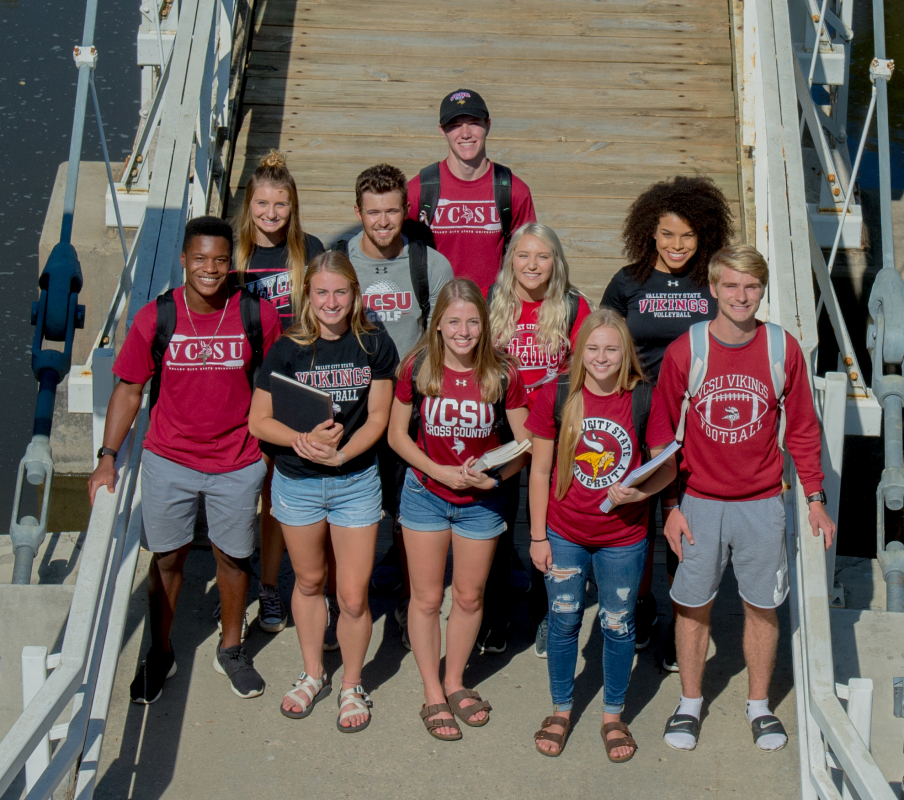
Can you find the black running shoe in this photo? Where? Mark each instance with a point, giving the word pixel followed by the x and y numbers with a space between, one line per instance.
pixel 492 640
pixel 237 665
pixel 644 621
pixel 158 665
pixel 540 639
pixel 669 658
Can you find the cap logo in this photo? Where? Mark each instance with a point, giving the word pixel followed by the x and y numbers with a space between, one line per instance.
pixel 460 97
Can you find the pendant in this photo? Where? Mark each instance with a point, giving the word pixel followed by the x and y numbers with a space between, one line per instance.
pixel 206 352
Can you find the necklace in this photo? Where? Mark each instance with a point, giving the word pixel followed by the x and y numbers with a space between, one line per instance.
pixel 206 348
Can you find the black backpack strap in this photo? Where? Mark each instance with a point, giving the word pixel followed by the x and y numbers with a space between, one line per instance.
pixel 250 308
pixel 641 403
pixel 429 193
pixel 502 196
pixel 491 291
pixel 166 327
pixel 573 299
pixel 341 247
pixel 563 382
pixel 417 265
pixel 502 423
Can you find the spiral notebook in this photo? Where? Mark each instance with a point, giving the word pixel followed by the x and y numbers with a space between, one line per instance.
pixel 297 405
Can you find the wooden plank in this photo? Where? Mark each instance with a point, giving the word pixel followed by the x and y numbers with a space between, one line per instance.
pixel 575 182
pixel 540 125
pixel 511 8
pixel 363 151
pixel 435 19
pixel 415 45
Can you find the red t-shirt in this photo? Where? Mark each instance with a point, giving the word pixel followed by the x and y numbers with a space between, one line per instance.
pixel 458 424
pixel 731 435
pixel 539 364
pixel 606 452
pixel 466 225
pixel 201 417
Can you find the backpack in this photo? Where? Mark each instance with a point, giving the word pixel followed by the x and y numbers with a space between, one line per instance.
pixel 250 309
pixel 430 194
pixel 699 342
pixel 417 266
pixel 500 423
pixel 641 403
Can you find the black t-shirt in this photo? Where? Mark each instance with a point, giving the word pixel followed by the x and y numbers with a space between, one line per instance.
pixel 268 275
pixel 346 371
pixel 658 311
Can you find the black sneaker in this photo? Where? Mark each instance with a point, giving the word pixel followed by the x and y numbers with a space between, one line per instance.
pixel 158 665
pixel 492 640
pixel 669 658
pixel 540 640
pixel 644 621
pixel 236 664
pixel 272 615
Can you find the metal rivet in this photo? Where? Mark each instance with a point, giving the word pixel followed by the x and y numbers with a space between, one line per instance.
pixel 831 177
pixel 854 376
pixel 836 191
pixel 848 361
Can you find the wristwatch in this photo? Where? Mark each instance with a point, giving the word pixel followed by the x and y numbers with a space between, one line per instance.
pixel 820 495
pixel 106 451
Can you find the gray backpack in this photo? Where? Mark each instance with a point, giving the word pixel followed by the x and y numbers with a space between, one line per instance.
pixel 699 341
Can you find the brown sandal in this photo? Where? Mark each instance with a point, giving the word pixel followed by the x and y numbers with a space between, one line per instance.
pixel 612 744
pixel 433 724
pixel 464 713
pixel 555 738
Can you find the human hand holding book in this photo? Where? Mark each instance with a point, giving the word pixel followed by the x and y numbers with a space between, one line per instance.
pixel 643 472
pixel 500 456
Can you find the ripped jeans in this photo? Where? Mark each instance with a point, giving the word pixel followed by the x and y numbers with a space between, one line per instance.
pixel 618 572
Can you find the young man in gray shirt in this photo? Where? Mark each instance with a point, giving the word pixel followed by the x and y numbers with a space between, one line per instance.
pixel 400 281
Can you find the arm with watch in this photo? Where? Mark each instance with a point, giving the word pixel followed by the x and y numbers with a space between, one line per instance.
pixel 121 412
pixel 819 518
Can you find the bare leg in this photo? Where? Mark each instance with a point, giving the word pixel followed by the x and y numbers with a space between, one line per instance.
pixel 427 552
pixel 273 545
pixel 760 645
pixel 307 550
pixel 233 579
pixel 354 549
pixel 164 584
pixel 471 562
pixel 691 643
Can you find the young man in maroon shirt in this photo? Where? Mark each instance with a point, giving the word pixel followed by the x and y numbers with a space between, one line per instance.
pixel 731 484
pixel 197 444
pixel 466 224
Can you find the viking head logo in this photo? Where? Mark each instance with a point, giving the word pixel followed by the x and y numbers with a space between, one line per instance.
pixel 598 457
pixel 732 416
pixel 458 445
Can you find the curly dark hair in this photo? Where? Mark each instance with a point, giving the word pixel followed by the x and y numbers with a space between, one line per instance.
pixel 699 202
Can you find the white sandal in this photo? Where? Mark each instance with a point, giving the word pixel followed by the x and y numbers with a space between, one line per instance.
pixel 314 690
pixel 357 697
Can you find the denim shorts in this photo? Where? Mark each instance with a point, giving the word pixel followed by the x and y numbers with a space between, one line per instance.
pixel 349 501
pixel 421 510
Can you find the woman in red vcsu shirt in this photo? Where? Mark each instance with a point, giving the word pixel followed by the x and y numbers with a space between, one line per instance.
pixel 576 465
pixel 459 389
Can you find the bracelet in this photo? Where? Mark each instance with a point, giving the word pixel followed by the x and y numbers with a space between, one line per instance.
pixel 670 508
pixel 342 457
pixel 544 539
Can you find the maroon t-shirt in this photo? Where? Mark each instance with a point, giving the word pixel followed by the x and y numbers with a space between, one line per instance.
pixel 458 424
pixel 466 225
pixel 201 417
pixel 606 452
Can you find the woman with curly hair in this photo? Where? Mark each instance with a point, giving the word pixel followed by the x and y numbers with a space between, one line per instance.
pixel 671 232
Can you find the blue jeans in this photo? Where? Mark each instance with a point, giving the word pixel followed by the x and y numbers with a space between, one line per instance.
pixel 618 572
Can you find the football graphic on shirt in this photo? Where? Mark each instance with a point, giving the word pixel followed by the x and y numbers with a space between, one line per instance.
pixel 603 454
pixel 729 409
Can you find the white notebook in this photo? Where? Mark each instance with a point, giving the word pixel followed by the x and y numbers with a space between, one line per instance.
pixel 643 471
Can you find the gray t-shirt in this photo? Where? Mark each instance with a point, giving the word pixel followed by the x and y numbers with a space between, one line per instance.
pixel 389 294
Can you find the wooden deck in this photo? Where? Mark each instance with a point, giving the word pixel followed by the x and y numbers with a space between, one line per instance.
pixel 591 101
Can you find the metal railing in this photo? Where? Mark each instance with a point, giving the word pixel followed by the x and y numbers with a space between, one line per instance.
pixel 779 76
pixel 194 100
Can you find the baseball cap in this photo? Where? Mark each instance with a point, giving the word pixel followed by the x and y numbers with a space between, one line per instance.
pixel 462 102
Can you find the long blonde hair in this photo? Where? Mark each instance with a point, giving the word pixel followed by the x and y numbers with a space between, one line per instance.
pixel 489 364
pixel 306 330
pixel 505 310
pixel 273 172
pixel 629 376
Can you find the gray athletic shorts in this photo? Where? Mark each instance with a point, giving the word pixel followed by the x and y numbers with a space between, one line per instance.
pixel 169 505
pixel 752 531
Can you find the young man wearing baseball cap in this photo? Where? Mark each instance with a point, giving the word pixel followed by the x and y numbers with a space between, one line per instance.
pixel 470 204
pixel 748 380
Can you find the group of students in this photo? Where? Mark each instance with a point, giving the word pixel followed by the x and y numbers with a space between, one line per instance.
pixel 446 327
